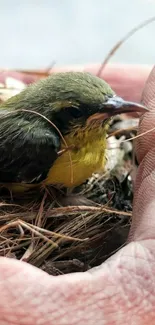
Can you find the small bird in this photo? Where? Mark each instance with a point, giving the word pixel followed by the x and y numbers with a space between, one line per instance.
pixel 54 131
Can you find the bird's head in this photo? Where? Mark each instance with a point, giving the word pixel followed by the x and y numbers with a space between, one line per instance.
pixel 73 100
pixel 79 99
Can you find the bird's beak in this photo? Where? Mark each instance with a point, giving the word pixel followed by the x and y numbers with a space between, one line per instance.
pixel 114 106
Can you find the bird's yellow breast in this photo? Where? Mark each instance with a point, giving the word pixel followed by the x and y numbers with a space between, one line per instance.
pixel 87 158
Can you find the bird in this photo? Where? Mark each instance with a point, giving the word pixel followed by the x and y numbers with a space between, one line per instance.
pixel 54 131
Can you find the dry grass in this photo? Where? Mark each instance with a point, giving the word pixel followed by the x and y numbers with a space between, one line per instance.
pixel 36 228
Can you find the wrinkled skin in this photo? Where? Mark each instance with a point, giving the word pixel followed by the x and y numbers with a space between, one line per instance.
pixel 122 290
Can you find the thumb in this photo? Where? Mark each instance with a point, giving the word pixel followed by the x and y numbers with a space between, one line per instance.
pixel 143 225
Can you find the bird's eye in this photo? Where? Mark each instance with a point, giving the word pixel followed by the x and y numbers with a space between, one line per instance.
pixel 76 112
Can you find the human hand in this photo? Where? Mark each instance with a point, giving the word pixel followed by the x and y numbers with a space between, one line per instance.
pixel 120 291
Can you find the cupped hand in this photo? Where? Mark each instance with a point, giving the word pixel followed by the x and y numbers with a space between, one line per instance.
pixel 120 291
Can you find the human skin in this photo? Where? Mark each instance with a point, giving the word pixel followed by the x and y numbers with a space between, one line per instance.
pixel 121 290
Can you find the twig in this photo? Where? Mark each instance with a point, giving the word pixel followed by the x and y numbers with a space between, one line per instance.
pixel 125 38
pixel 71 209
pixel 52 233
pixel 117 132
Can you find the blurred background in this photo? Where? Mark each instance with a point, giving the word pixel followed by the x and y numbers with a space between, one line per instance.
pixel 35 33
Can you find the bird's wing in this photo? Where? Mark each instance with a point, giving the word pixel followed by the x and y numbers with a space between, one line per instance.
pixel 27 152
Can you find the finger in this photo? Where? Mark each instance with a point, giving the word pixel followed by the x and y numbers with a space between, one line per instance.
pixel 148 91
pixel 30 296
pixel 143 223
pixel 23 77
pixel 118 291
pixel 146 142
